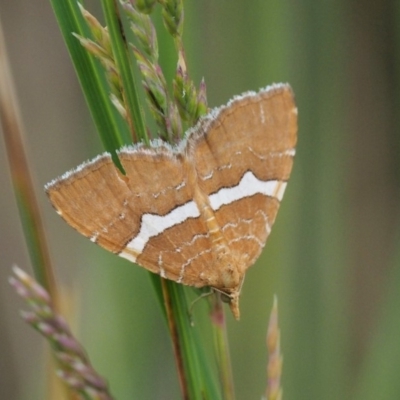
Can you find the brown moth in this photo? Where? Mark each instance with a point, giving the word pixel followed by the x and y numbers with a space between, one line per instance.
pixel 198 213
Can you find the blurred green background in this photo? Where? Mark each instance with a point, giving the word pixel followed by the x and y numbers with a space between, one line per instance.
pixel 332 258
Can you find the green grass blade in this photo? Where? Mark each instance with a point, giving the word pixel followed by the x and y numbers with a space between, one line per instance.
pixel 200 381
pixel 113 132
pixel 221 348
pixel 21 178
pixel 120 49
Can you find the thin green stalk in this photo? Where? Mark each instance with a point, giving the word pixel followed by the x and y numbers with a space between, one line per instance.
pixel 120 50
pixel 23 186
pixel 176 342
pixel 222 349
pixel 21 178
pixel 275 359
pixel 200 381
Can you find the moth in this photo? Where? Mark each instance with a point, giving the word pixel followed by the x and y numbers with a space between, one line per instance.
pixel 199 212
